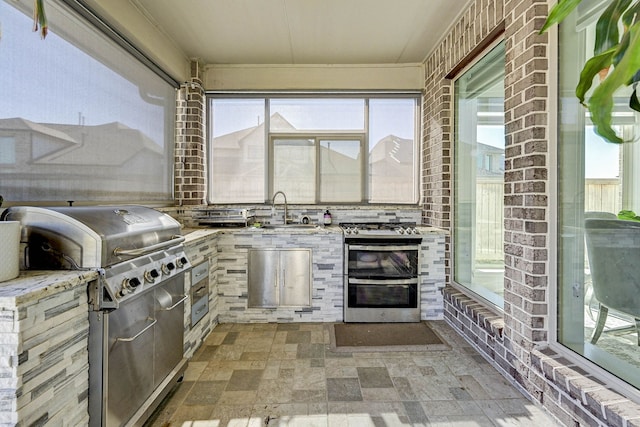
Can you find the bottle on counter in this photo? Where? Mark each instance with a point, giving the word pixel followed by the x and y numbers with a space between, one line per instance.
pixel 327 217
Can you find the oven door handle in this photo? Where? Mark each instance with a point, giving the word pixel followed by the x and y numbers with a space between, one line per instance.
pixel 141 251
pixel 184 298
pixel 383 247
pixel 384 282
pixel 129 339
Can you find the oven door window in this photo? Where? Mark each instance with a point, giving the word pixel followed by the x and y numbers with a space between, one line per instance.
pixel 382 261
pixel 383 295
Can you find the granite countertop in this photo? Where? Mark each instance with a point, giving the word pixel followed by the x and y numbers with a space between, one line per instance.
pixel 37 284
pixel 195 233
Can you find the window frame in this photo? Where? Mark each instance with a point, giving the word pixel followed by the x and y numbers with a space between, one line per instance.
pixel 555 218
pixel 317 138
pixel 416 96
pixel 459 73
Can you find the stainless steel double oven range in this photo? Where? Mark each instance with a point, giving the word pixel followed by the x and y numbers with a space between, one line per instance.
pixel 381 272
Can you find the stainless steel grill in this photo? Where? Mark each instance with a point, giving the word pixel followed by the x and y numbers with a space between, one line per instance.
pixel 136 306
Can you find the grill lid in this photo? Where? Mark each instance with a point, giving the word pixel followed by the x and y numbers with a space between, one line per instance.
pixel 91 237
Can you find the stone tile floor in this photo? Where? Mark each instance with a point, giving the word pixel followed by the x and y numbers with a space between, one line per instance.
pixel 287 375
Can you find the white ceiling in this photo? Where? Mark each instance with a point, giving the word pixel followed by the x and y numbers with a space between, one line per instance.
pixel 303 31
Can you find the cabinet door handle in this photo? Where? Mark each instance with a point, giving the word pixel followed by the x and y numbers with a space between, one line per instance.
pixel 199 292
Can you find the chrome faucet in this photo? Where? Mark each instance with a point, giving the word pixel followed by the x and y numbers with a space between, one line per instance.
pixel 273 203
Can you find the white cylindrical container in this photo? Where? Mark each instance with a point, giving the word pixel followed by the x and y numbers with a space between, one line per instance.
pixel 9 250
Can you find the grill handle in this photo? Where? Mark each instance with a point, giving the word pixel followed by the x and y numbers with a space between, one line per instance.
pixel 141 251
pixel 184 298
pixel 129 339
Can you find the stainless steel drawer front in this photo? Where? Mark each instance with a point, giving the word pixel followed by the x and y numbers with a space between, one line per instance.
pixel 199 292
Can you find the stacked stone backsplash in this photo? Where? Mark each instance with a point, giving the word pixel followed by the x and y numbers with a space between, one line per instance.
pixel 264 213
pixel 433 279
pixel 326 286
pixel 45 357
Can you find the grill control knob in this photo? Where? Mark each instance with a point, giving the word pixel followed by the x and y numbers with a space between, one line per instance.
pixel 180 262
pixel 134 283
pixel 171 266
pixel 150 276
pixel 125 288
pixel 165 269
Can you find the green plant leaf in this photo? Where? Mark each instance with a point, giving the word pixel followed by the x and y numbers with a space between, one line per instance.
pixel 621 48
pixel 601 103
pixel 634 104
pixel 607 35
pixel 40 18
pixel 631 15
pixel 559 12
pixel 591 69
pixel 628 215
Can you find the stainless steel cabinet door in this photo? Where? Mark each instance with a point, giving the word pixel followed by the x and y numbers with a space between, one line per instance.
pixel 169 311
pixel 263 278
pixel 295 277
pixel 279 277
pixel 130 360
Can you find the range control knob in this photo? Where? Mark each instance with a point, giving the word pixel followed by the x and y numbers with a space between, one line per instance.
pixel 134 283
pixel 171 266
pixel 180 262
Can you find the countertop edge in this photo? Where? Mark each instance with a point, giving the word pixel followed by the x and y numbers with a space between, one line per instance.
pixel 37 284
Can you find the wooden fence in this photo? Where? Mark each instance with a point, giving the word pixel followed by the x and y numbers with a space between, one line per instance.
pixel 603 195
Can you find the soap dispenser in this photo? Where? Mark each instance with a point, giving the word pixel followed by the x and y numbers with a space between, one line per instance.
pixel 327 217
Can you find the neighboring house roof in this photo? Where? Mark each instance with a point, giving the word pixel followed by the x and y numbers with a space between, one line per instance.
pixel 393 148
pixel 489 149
pixel 495 152
pixel 254 134
pixel 24 125
pixel 112 143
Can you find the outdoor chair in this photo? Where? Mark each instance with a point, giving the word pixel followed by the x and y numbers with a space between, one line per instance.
pixel 613 248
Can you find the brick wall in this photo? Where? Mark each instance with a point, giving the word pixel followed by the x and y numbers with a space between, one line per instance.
pixel 516 341
pixel 526 198
pixel 190 170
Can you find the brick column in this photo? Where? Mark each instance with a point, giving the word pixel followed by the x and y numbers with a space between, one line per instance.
pixel 190 160
pixel 526 187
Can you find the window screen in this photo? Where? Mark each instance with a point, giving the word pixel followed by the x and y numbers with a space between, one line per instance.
pixel 81 119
